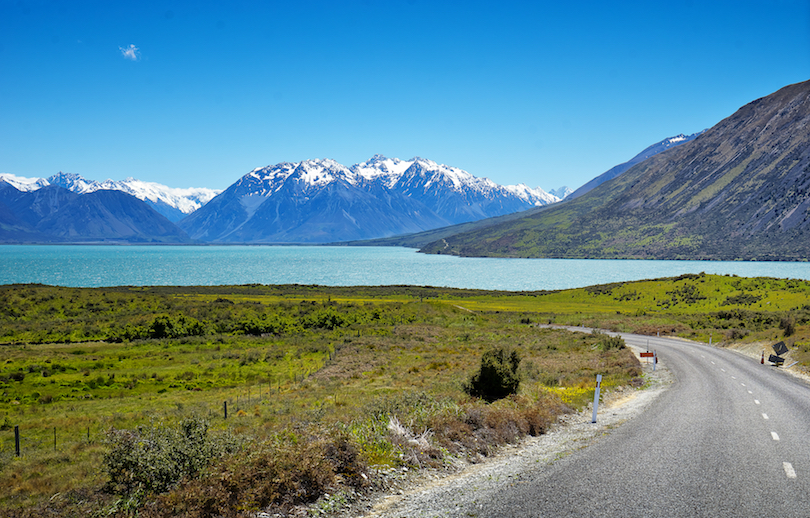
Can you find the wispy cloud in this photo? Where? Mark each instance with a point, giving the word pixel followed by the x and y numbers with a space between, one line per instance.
pixel 132 52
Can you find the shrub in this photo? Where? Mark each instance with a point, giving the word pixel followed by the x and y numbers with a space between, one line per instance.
pixel 168 327
pixel 608 342
pixel 284 471
pixel 737 334
pixel 498 375
pixel 154 458
pixel 268 324
pixel 326 319
pixel 788 325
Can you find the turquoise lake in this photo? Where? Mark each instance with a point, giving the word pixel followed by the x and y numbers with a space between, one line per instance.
pixel 93 266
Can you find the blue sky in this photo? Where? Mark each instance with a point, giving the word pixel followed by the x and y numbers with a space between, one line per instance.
pixel 199 93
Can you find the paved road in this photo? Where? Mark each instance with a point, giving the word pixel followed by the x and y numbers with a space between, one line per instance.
pixel 730 438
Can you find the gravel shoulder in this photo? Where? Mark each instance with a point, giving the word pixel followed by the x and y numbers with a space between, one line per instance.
pixel 441 493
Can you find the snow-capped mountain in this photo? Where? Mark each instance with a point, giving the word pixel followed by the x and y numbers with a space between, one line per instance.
pixel 53 214
pixel 173 203
pixel 23 184
pixel 537 196
pixel 318 201
pixel 562 192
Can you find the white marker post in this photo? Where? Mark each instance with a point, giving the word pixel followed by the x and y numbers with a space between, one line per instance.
pixel 596 396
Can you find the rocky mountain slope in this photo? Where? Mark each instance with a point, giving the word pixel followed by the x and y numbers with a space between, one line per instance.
pixel 615 171
pixel 741 190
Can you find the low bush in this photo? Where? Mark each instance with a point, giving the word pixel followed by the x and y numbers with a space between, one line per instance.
pixel 608 342
pixel 498 375
pixel 152 459
pixel 788 324
pixel 284 471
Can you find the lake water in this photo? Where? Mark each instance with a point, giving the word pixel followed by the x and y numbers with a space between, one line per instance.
pixel 93 266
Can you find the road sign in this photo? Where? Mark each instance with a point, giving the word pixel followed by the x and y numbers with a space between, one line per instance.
pixel 780 348
pixel 647 355
pixel 776 359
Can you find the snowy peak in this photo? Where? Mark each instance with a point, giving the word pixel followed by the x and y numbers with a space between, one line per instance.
pixel 536 197
pixel 23 184
pixel 171 202
pixel 562 192
pixel 389 170
pixel 320 172
pixel 73 182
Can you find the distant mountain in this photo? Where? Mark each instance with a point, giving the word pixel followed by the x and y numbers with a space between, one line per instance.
pixel 561 193
pixel 53 214
pixel 173 203
pixel 615 171
pixel 320 201
pixel 23 184
pixel 740 190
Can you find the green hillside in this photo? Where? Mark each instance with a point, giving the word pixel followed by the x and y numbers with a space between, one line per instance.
pixel 739 191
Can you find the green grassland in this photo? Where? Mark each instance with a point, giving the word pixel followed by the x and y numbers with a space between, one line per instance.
pixel 313 375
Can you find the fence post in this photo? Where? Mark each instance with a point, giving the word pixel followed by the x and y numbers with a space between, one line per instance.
pixel 17 439
pixel 596 396
pixel 225 407
pixel 54 438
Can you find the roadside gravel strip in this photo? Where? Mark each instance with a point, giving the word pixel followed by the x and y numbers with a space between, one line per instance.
pixel 459 494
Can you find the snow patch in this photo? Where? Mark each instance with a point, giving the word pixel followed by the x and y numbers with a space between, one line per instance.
pixel 251 202
pixel 22 183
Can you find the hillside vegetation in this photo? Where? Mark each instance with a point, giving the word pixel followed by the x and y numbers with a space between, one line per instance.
pixel 741 190
pixel 120 394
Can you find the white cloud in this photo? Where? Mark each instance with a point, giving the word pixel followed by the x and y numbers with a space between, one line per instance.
pixel 132 52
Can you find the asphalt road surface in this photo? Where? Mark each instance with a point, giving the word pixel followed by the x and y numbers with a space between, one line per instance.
pixel 731 437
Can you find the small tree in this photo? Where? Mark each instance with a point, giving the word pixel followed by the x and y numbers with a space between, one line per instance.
pixel 498 376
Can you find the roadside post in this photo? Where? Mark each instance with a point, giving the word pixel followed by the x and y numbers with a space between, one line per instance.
pixel 596 396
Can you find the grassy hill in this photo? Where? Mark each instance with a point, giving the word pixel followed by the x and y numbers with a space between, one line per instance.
pixel 741 190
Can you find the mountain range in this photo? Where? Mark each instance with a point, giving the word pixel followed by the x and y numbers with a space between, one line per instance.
pixel 314 201
pixel 174 204
pixel 321 201
pixel 739 190
pixel 53 214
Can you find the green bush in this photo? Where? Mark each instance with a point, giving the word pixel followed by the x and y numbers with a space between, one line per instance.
pixel 498 375
pixel 607 342
pixel 788 325
pixel 152 459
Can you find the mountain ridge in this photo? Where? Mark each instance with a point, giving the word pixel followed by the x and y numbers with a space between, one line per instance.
pixel 173 203
pixel 53 214
pixel 740 190
pixel 322 201
pixel 648 152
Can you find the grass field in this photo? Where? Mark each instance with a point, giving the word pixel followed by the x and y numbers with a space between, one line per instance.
pixel 320 383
